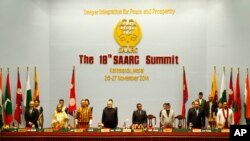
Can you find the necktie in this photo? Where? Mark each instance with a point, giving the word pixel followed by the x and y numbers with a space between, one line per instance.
pixel 168 113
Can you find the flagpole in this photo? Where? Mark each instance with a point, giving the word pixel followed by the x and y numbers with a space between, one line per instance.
pixel 21 105
pixel 74 110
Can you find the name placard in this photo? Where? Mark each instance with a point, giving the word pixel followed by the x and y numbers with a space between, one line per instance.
pixel 105 130
pixel 48 130
pixel 78 130
pixel 168 130
pixel 225 130
pixel 22 130
pixel 126 130
pixel 196 130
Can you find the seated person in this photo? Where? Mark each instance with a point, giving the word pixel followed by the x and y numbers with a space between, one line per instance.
pixel 60 118
pixel 139 116
pixel 167 117
pixel 109 115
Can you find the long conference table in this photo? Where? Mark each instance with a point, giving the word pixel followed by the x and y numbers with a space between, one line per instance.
pixel 113 136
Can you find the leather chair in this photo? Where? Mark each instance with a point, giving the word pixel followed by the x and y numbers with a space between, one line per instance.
pixel 150 118
pixel 181 121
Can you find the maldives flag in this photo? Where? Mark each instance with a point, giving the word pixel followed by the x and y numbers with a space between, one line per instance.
pixel 8 118
pixel 247 98
pixel 185 93
pixel 72 100
pixel 237 105
pixel 19 100
pixel 231 91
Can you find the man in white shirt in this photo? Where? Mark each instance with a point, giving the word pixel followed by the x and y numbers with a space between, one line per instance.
pixel 225 117
pixel 167 117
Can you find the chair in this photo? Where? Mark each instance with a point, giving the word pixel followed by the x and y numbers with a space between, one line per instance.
pixel 150 118
pixel 181 121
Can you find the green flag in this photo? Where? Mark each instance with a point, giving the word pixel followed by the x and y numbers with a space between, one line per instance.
pixel 28 91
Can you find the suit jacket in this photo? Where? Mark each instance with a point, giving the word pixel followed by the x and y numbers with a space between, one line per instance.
pixel 167 120
pixel 213 108
pixel 198 121
pixel 202 103
pixel 139 117
pixel 31 117
pixel 110 117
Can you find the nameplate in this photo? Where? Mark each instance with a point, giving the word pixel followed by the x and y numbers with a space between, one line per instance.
pixel 48 130
pixel 105 130
pixel 90 130
pixel 126 130
pixel 196 130
pixel 137 130
pixel 168 130
pixel 225 130
pixel 78 130
pixel 150 129
pixel 22 130
pixel 208 130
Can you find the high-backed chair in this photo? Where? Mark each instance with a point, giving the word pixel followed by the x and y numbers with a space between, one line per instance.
pixel 181 121
pixel 150 118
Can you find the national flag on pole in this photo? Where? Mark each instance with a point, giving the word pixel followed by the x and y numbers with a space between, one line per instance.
pixel 28 96
pixel 231 91
pixel 19 99
pixel 223 94
pixel 247 97
pixel 214 86
pixel 185 93
pixel 72 100
pixel 36 91
pixel 1 100
pixel 237 105
pixel 8 117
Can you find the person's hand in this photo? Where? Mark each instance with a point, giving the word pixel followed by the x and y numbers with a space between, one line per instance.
pixel 30 123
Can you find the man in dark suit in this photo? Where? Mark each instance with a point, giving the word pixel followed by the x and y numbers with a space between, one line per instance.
pixel 139 116
pixel 202 102
pixel 109 115
pixel 196 116
pixel 210 107
pixel 31 115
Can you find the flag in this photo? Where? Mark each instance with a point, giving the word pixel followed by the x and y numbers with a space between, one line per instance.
pixel 214 86
pixel 36 91
pixel 1 100
pixel 247 98
pixel 237 105
pixel 19 100
pixel 8 118
pixel 223 94
pixel 72 101
pixel 28 96
pixel 231 91
pixel 185 93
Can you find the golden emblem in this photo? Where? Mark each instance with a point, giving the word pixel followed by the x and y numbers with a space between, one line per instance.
pixel 127 34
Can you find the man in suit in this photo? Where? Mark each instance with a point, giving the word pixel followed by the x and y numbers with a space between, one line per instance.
pixel 210 109
pixel 139 116
pixel 167 117
pixel 196 116
pixel 31 115
pixel 109 115
pixel 202 102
